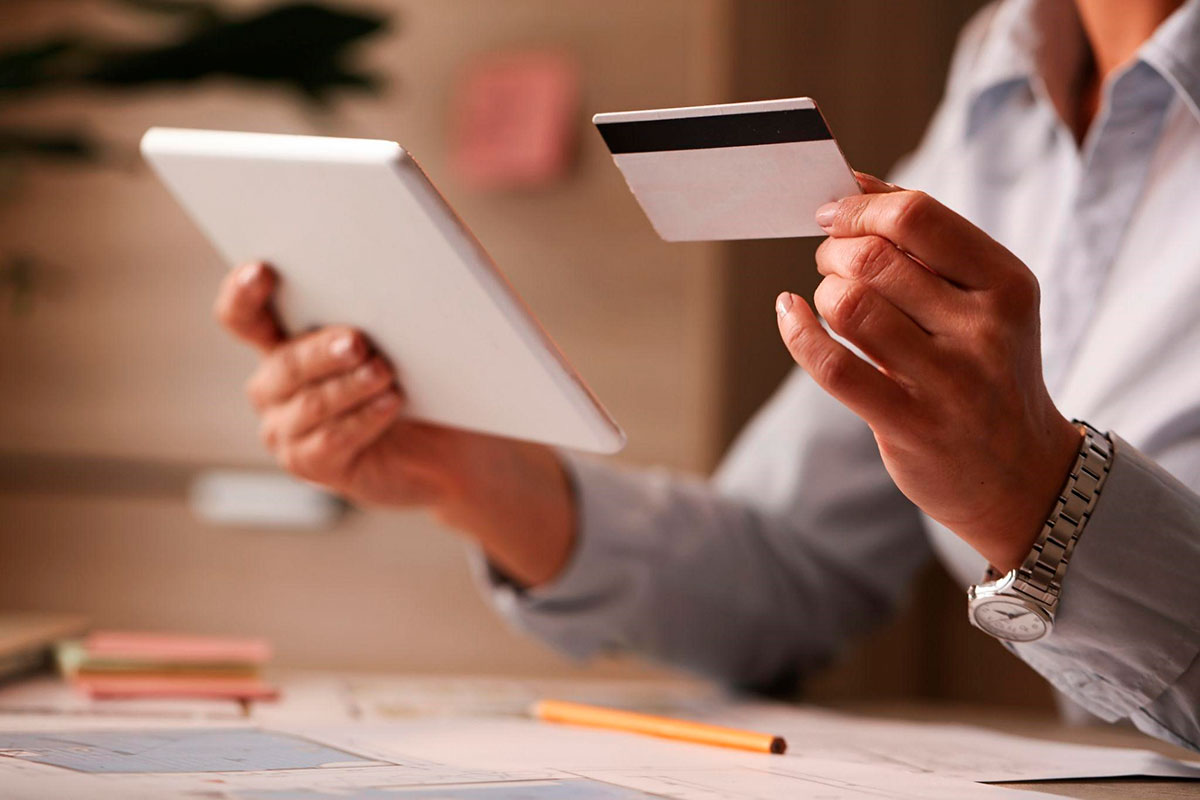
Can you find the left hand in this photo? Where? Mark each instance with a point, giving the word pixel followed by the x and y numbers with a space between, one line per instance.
pixel 955 396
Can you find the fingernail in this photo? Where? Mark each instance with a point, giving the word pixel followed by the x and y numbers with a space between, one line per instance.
pixel 250 274
pixel 783 304
pixel 826 214
pixel 368 372
pixel 342 346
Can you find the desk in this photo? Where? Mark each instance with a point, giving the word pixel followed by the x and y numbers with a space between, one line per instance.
pixel 415 711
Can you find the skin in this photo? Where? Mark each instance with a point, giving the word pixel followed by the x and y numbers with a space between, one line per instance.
pixel 957 403
pixel 331 413
pixel 1115 29
pixel 953 390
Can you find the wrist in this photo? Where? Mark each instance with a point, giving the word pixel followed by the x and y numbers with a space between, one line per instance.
pixel 516 501
pixel 1020 604
pixel 1048 473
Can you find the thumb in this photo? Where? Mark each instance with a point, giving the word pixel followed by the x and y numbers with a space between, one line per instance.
pixel 243 305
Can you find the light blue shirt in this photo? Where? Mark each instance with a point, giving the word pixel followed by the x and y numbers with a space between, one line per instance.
pixel 801 540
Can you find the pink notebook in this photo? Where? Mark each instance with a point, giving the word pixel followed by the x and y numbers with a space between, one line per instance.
pixel 109 687
pixel 169 647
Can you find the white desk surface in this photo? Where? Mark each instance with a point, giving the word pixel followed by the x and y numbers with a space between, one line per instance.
pixel 467 731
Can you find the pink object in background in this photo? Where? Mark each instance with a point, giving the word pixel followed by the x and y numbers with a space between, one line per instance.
pixel 130 687
pixel 176 647
pixel 514 120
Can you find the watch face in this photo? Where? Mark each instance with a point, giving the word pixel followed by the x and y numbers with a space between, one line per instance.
pixel 1010 620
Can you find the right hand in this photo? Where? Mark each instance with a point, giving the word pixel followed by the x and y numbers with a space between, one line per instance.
pixel 330 412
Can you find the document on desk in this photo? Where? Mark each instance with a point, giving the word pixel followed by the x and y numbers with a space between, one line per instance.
pixel 970 753
pixel 663 768
pixel 123 758
pixel 371 740
pixel 959 751
pixel 324 697
pixel 488 759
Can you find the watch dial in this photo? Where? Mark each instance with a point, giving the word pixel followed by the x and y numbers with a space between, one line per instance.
pixel 1006 619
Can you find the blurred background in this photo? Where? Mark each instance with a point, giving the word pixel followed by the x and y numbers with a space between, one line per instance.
pixel 121 396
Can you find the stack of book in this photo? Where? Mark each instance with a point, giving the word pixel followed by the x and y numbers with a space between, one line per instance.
pixel 27 639
pixel 112 664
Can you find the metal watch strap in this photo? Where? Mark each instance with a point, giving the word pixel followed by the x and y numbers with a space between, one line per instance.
pixel 1041 575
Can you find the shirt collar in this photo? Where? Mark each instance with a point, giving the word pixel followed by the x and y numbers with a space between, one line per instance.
pixel 1038 46
pixel 1174 51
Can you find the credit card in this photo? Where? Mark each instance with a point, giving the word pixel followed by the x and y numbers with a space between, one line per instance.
pixel 735 171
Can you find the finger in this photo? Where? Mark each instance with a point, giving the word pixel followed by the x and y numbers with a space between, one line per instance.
pixel 918 224
pixel 318 403
pixel 856 384
pixel 304 360
pixel 931 302
pixel 334 446
pixel 872 185
pixel 863 316
pixel 243 305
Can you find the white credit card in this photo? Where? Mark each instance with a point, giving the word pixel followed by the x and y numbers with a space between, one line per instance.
pixel 736 171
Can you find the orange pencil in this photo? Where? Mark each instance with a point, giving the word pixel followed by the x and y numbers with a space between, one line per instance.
pixel 683 730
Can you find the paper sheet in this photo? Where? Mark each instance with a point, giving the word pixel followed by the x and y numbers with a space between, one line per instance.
pixel 569 789
pixel 957 751
pixel 345 739
pixel 173 750
pixel 325 697
pixel 460 758
pixel 827 780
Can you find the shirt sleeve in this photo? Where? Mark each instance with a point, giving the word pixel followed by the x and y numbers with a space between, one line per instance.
pixel 800 541
pixel 1126 636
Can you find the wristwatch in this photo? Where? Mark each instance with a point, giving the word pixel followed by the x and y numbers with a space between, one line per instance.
pixel 1019 606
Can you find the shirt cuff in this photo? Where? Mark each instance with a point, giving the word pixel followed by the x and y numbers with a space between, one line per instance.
pixel 1125 627
pixel 577 612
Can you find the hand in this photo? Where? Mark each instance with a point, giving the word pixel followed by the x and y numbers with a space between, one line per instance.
pixel 955 395
pixel 330 412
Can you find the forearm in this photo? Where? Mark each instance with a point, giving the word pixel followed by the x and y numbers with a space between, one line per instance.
pixel 668 569
pixel 516 502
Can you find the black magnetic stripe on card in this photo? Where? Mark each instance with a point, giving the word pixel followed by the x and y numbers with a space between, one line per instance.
pixel 721 130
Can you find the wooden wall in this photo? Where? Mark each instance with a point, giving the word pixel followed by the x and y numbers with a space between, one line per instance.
pixel 118 358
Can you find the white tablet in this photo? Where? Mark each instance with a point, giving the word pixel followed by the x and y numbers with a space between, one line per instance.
pixel 361 237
